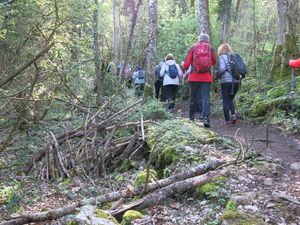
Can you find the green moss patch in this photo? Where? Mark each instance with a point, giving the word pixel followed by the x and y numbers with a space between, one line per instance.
pixel 141 177
pixel 178 140
pixel 131 215
pixel 241 218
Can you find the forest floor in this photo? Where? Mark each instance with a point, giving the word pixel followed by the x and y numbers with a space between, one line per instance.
pixel 266 186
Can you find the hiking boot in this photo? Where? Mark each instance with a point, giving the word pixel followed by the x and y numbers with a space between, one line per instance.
pixel 233 119
pixel 206 122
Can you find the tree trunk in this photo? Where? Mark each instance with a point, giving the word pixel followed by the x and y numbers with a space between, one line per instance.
pixel 152 41
pixel 203 17
pixel 129 44
pixel 286 46
pixel 225 19
pixel 117 32
pixel 97 52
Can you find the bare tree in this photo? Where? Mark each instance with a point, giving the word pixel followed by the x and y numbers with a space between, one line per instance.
pixel 152 40
pixel 129 44
pixel 203 17
pixel 224 18
pixel 97 52
pixel 117 32
pixel 286 46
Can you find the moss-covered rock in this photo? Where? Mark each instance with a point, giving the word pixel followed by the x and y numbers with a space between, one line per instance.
pixel 178 140
pixel 233 217
pixel 142 177
pixel 131 215
pixel 73 222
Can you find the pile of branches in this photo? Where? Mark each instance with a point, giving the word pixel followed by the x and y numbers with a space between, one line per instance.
pixel 93 148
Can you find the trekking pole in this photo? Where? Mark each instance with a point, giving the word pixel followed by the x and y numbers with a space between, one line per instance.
pixel 182 99
pixel 292 95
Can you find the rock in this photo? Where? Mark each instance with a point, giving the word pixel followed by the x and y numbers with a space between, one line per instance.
pixel 244 199
pixel 268 182
pixel 251 208
pixel 101 221
pixel 295 166
pixel 270 205
pixel 282 195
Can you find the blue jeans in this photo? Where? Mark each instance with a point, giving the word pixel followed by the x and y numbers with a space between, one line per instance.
pixel 200 89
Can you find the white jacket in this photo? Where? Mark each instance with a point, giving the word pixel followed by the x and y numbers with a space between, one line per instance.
pixel 163 73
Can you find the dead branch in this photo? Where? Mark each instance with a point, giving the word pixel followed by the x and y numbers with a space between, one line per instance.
pixel 26 65
pixel 170 190
pixel 129 192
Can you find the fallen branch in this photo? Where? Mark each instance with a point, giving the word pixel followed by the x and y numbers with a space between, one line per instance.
pixel 170 190
pixel 113 196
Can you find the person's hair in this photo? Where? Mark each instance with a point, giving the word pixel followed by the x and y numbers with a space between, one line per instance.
pixel 169 57
pixel 204 37
pixel 224 49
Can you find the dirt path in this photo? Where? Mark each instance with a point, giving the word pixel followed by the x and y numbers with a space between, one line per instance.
pixel 283 147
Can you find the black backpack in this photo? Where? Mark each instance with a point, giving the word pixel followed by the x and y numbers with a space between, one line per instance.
pixel 237 66
pixel 141 74
pixel 172 71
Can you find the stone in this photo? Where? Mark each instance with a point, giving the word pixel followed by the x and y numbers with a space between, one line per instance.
pixel 268 182
pixel 251 208
pixel 295 166
pixel 101 221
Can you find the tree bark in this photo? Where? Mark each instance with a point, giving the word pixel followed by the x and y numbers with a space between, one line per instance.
pixel 96 46
pixel 225 19
pixel 203 17
pixel 117 32
pixel 152 33
pixel 130 38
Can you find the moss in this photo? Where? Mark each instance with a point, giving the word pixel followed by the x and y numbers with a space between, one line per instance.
pixel 141 177
pixel 102 214
pixel 131 215
pixel 206 189
pixel 241 218
pixel 106 206
pixel 67 181
pixel 276 65
pixel 73 222
pixel 176 141
pixel 231 205
pixel 127 164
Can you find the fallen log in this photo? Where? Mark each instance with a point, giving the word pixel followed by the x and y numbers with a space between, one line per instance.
pixel 113 196
pixel 168 191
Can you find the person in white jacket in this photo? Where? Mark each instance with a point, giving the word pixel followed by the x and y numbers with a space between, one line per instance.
pixel 171 73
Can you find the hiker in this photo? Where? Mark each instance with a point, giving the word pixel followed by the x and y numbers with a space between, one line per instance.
pixel 229 85
pixel 202 57
pixel 198 113
pixel 128 75
pixel 158 81
pixel 295 63
pixel 171 72
pixel 139 78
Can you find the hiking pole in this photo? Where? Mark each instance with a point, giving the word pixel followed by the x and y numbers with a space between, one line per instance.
pixel 182 99
pixel 292 94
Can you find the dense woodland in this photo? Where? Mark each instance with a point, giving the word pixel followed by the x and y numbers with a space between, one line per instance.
pixel 74 138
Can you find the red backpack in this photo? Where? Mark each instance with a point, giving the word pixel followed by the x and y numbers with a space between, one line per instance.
pixel 202 57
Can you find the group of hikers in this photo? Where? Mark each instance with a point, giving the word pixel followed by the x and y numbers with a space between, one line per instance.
pixel 198 66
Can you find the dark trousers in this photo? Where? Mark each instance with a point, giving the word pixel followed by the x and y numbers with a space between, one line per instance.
pixel 139 89
pixel 199 109
pixel 228 93
pixel 200 89
pixel 158 87
pixel 170 94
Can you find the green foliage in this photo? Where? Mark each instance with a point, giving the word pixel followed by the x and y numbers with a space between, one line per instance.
pixel 231 206
pixel 141 177
pixel 152 109
pixel 131 215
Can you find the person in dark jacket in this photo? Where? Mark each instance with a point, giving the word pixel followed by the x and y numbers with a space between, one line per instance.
pixel 229 85
pixel 158 81
pixel 139 78
pixel 200 81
